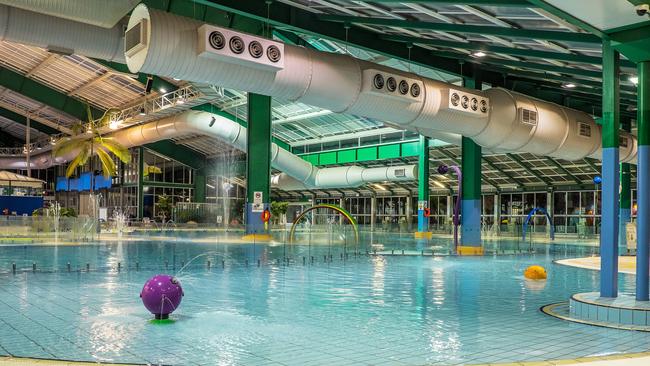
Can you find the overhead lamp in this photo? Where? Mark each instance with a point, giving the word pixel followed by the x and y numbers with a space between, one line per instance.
pixel 114 125
pixel 38 147
pixel 634 80
pixel 479 54
pixel 569 85
pixel 142 111
pixel 180 101
pixel 177 79
pixel 52 141
pixel 162 90
pixel 89 129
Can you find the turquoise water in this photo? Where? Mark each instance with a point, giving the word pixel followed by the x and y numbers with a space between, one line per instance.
pixel 359 310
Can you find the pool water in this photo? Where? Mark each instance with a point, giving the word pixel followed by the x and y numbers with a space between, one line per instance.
pixel 359 310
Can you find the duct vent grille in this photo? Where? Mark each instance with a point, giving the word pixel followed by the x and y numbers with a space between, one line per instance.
pixel 380 83
pixel 528 116
pixel 256 52
pixel 584 129
pixel 467 102
pixel 135 38
pixel 622 141
pixel 400 173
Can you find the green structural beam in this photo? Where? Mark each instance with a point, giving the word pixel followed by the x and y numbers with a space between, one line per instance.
pixel 524 52
pixel 542 4
pixel 19 118
pixel 259 147
pixel 466 29
pixel 180 153
pixel 44 94
pixel 396 150
pixel 471 164
pixel 611 96
pixel 513 3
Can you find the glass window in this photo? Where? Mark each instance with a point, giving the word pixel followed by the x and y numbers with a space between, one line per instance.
pixel 559 203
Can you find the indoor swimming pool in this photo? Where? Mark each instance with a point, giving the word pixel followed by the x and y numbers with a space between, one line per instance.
pixel 299 305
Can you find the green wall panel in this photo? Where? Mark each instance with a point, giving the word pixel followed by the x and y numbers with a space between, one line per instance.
pixel 328 158
pixel 367 153
pixel 410 148
pixel 347 156
pixel 312 158
pixel 389 151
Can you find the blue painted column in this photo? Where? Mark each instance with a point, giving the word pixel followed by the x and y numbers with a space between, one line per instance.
pixel 625 202
pixel 258 163
pixel 610 174
pixel 423 188
pixel 643 183
pixel 470 237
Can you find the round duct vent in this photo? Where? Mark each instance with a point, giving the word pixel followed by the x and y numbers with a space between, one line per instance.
pixel 237 45
pixel 455 99
pixel 217 40
pixel 403 87
pixel 255 49
pixel 464 101
pixel 483 106
pixel 273 53
pixel 391 84
pixel 474 104
pixel 415 90
pixel 378 81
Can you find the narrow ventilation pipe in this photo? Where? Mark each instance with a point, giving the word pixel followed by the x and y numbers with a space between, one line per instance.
pixel 100 13
pixel 61 35
pixel 297 173
pixel 169 45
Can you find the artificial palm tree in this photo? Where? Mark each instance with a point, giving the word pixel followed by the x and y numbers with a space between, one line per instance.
pixel 86 147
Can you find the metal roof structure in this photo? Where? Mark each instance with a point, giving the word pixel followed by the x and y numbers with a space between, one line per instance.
pixel 524 45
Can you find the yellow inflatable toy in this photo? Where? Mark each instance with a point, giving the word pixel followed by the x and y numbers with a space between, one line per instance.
pixel 535 273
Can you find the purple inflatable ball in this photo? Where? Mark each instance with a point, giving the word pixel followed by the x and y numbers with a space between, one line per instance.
pixel 443 169
pixel 161 295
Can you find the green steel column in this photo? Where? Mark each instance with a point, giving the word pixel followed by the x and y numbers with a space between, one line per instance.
pixel 643 183
pixel 625 209
pixel 470 240
pixel 610 174
pixel 199 185
pixel 258 167
pixel 140 182
pixel 423 184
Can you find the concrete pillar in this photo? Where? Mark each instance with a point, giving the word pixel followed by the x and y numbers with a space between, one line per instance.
pixel 643 183
pixel 258 163
pixel 610 173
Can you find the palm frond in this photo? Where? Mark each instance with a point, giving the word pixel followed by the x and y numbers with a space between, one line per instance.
pixel 108 165
pixel 68 146
pixel 80 159
pixel 117 149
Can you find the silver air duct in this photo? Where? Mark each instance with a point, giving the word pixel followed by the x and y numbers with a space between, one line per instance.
pixel 61 35
pixel 168 45
pixel 101 13
pixel 298 173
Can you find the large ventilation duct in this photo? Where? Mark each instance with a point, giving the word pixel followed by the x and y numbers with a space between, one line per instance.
pixel 61 35
pixel 297 173
pixel 168 45
pixel 101 13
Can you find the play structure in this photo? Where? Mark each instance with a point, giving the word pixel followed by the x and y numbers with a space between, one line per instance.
pixel 530 216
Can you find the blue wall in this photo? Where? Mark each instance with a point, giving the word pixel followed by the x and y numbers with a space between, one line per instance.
pixel 22 205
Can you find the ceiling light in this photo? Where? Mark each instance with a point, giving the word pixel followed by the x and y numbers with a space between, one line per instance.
pixel 180 101
pixel 162 90
pixel 89 129
pixel 479 54
pixel 142 112
pixel 113 125
pixel 634 80
pixel 569 85
pixel 52 141
pixel 38 148
pixel 177 79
